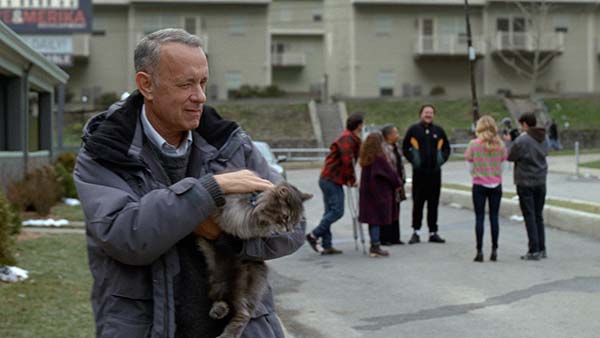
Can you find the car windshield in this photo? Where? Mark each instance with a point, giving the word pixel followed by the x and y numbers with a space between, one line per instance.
pixel 265 150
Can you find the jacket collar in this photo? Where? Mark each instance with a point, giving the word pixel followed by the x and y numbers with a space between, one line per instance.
pixel 115 138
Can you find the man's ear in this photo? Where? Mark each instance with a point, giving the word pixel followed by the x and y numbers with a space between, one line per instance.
pixel 144 84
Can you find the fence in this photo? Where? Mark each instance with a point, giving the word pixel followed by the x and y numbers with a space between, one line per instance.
pixel 318 154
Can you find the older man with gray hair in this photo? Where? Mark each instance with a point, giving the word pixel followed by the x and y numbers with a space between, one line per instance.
pixel 152 169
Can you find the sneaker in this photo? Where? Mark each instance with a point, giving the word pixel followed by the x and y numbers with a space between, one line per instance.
pixel 535 256
pixel 331 251
pixel 543 254
pixel 494 256
pixel 377 251
pixel 478 257
pixel 314 243
pixel 414 239
pixel 435 238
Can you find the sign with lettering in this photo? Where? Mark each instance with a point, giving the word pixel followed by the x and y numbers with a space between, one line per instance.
pixel 47 16
pixel 56 48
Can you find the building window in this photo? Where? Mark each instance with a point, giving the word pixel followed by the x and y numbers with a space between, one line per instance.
pixel 317 15
pixel 189 24
pixel 285 15
pixel 387 82
pixel 561 24
pixel 237 25
pixel 153 23
pixel 233 82
pixel 383 25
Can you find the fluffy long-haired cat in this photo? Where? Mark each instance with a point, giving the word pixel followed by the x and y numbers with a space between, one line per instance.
pixel 236 285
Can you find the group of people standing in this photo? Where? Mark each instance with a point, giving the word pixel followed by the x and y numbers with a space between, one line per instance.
pixel 425 145
pixel 382 181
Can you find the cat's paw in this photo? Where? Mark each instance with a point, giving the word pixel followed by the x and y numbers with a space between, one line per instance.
pixel 219 310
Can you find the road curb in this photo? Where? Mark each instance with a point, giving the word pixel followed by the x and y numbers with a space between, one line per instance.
pixel 583 223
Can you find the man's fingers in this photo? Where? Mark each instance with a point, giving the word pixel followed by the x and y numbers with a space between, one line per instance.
pixel 242 181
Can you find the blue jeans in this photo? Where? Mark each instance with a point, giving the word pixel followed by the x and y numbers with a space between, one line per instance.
pixel 482 194
pixel 333 197
pixel 374 233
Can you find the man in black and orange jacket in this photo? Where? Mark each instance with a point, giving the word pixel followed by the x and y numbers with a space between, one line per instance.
pixel 427 148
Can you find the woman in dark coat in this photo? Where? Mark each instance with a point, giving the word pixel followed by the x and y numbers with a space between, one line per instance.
pixel 378 185
pixel 390 235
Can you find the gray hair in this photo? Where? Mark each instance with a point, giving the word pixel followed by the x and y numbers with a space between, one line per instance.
pixel 147 51
pixel 387 129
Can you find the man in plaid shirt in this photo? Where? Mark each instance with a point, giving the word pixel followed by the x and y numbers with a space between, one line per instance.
pixel 337 172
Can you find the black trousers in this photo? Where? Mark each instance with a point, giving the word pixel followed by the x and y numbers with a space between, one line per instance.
pixel 426 188
pixel 531 200
pixel 390 233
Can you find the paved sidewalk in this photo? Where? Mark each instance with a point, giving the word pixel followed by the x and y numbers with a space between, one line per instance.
pixel 562 183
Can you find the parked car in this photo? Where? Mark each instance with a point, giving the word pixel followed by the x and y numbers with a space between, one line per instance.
pixel 273 161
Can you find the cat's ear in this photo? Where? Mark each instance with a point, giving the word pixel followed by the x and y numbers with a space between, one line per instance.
pixel 305 196
pixel 283 191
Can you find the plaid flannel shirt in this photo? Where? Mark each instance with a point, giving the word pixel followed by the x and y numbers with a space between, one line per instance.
pixel 339 163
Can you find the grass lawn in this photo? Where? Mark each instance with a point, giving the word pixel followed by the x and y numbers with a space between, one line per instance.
pixel 594 164
pixel 452 114
pixel 59 211
pixel 582 113
pixel 269 121
pixel 571 152
pixel 54 301
pixel 585 207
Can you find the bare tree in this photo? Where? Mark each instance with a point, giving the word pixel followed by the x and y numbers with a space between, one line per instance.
pixel 530 51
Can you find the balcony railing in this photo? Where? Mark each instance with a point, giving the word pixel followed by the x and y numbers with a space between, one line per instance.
pixel 447 45
pixel 288 59
pixel 529 42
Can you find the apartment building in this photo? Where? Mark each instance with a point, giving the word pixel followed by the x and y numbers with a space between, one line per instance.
pixel 297 45
pixel 235 34
pixel 414 48
pixel 359 48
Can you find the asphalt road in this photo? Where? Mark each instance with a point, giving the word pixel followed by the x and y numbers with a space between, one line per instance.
pixel 433 290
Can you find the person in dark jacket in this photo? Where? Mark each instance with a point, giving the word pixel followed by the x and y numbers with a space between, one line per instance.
pixel 426 147
pixel 152 170
pixel 529 152
pixel 390 235
pixel 379 183
pixel 337 172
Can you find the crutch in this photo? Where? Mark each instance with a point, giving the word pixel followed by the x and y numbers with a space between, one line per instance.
pixel 357 229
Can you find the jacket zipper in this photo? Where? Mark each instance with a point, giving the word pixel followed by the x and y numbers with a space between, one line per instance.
pixel 166 310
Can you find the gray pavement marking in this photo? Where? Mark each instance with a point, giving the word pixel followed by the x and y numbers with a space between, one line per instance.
pixel 589 284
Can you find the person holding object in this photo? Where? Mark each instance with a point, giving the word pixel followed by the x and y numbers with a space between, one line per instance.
pixel 337 172
pixel 426 147
pixel 379 183
pixel 152 170
pixel 486 155
pixel 529 152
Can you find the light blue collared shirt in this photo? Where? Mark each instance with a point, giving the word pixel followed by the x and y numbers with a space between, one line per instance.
pixel 160 142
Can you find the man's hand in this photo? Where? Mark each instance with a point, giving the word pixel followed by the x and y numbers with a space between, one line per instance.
pixel 240 182
pixel 208 229
pixel 506 137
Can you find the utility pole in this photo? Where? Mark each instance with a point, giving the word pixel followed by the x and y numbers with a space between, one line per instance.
pixel 472 58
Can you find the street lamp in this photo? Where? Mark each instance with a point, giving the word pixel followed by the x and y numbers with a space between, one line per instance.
pixel 472 58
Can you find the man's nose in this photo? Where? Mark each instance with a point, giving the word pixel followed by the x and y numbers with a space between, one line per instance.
pixel 198 95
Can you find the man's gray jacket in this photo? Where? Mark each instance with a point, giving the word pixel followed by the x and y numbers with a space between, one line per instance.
pixel 134 219
pixel 529 152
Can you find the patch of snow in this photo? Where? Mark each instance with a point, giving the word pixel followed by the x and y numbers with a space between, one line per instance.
pixel 45 222
pixel 515 198
pixel 455 205
pixel 72 202
pixel 13 274
pixel 517 218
